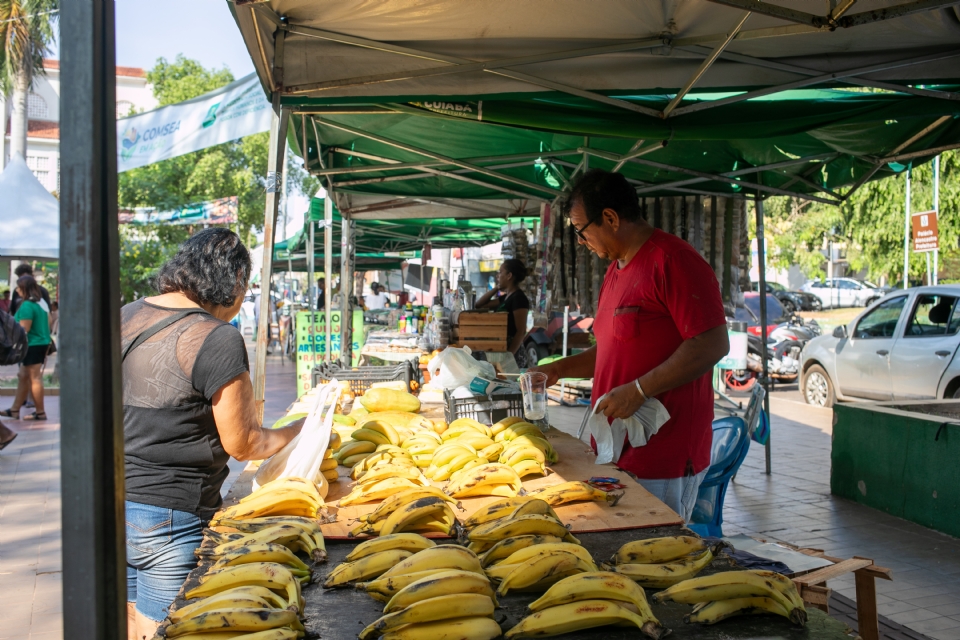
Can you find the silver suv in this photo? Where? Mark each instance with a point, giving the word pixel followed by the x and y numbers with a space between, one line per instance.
pixel 903 347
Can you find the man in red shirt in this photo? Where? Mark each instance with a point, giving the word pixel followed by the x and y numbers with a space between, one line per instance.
pixel 660 329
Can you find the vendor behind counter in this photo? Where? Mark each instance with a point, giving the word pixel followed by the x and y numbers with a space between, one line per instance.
pixel 508 297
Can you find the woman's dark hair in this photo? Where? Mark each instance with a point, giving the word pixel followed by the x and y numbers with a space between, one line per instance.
pixel 598 190
pixel 30 288
pixel 516 268
pixel 23 269
pixel 212 267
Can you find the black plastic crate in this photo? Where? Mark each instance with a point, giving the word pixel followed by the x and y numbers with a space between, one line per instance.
pixel 485 409
pixel 362 378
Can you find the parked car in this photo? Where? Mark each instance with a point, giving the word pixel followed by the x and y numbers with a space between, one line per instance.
pixel 902 347
pixel 750 313
pixel 844 292
pixel 792 301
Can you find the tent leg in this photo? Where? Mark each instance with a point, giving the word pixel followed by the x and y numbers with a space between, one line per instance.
pixel 762 268
pixel 906 236
pixel 91 433
pixel 346 288
pixel 278 138
pixel 328 273
pixel 311 267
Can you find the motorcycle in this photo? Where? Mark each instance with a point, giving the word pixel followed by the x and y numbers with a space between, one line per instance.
pixel 784 345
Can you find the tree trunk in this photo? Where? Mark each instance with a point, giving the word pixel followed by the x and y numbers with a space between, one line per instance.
pixel 18 115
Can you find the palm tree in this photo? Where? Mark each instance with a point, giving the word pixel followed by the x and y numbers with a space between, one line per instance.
pixel 26 27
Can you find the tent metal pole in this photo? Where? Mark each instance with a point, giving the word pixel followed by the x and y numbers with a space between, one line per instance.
pixel 924 152
pixel 437 156
pixel 91 431
pixel 774 11
pixel 328 274
pixel 743 172
pixel 347 251
pixel 636 145
pixel 762 269
pixel 906 234
pixel 311 266
pixel 418 165
pixel 278 143
pixel 418 176
pixel 834 20
pixel 813 80
pixel 710 176
pixel 707 62
pixel 936 207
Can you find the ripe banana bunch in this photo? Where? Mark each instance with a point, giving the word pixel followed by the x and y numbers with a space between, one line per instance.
pixel 663 575
pixel 448 458
pixel 440 559
pixel 353 451
pixel 658 550
pixel 575 491
pixel 263 552
pixel 421 447
pixel 490 479
pixel 576 616
pixel 429 514
pixel 508 546
pixel 377 432
pixel 543 569
pixel 494 511
pixel 432 610
pixel 378 490
pixel 293 534
pixel 392 470
pixel 532 524
pixel 239 597
pixel 444 582
pixel 473 628
pixel 297 534
pixel 745 591
pixel 282 497
pixel 395 501
pixel 384 454
pixel 606 586
pixel 525 457
pixel 240 621
pixel 411 542
pixel 370 566
pixel 270 575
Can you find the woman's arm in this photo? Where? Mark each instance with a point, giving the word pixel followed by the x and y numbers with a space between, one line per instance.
pixel 487 300
pixel 520 322
pixel 235 413
pixel 26 324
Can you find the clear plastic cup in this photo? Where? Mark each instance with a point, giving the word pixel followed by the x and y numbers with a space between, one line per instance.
pixel 533 384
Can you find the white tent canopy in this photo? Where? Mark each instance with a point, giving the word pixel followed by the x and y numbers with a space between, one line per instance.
pixel 404 49
pixel 29 215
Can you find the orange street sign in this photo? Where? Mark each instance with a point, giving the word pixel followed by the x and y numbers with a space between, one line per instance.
pixel 925 234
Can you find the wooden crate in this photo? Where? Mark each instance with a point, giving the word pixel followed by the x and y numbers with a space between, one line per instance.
pixel 484 318
pixel 482 345
pixel 481 331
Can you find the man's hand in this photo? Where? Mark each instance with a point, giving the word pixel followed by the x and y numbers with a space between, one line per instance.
pixel 621 402
pixel 552 370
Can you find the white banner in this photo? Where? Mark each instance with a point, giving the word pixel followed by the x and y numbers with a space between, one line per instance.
pixel 234 111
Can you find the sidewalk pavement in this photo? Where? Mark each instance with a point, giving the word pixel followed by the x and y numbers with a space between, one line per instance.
pixel 793 505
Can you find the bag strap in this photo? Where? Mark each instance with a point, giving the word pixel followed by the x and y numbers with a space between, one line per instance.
pixel 153 330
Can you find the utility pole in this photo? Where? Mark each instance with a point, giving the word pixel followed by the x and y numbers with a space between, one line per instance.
pixel 906 236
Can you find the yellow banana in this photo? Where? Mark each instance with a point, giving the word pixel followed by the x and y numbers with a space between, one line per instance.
pixel 491 453
pixel 438 584
pixel 392 503
pixel 443 556
pixel 251 593
pixel 479 477
pixel 280 633
pixel 476 440
pixel 284 534
pixel 470 422
pixel 476 628
pixel 388 586
pixel 508 546
pixel 525 525
pixel 517 452
pixel 499 571
pixel 328 464
pixel 288 505
pixel 369 435
pixel 444 607
pixel 595 585
pixel 287 482
pixel 517 430
pixel 494 511
pixel 443 522
pixel 443 473
pixel 661 576
pixel 658 550
pixel 574 491
pixel 540 443
pixel 263 552
pixel 476 462
pixel 371 566
pixel 384 428
pixel 713 612
pixel 576 616
pixel 376 491
pixel 411 542
pixel 209 604
pixel 526 468
pixel 233 620
pixel 503 424
pixel 543 570
pixel 275 577
pixel 331 476
pixel 534 506
pixel 411 512
pixel 523 555
pixel 383 471
pixel 354 447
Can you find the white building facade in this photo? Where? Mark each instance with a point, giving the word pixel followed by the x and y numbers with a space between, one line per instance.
pixel 134 95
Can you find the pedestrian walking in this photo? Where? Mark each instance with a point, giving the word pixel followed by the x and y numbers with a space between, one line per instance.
pixel 5 301
pixel 26 269
pixel 35 320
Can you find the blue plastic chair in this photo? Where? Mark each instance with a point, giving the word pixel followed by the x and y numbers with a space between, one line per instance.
pixel 731 441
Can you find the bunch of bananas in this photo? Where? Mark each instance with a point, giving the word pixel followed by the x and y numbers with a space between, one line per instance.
pixel 424 509
pixel 385 565
pixel 281 497
pixel 661 562
pixel 295 533
pixel 438 592
pixel 487 479
pixel 574 491
pixel 587 600
pixel 732 593
pixel 384 480
pixel 328 467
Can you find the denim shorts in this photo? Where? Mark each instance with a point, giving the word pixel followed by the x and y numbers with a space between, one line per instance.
pixel 680 494
pixel 160 555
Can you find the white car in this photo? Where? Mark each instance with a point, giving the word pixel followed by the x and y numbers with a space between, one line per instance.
pixel 844 292
pixel 903 347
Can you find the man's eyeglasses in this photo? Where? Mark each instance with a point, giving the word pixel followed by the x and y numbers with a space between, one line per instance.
pixel 580 231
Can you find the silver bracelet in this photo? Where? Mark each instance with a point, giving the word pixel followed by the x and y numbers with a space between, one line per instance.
pixel 640 389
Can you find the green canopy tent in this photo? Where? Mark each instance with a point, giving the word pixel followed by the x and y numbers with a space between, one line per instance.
pixel 487 100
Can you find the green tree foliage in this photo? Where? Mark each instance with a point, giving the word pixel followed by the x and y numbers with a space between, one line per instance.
pixel 871 224
pixel 184 79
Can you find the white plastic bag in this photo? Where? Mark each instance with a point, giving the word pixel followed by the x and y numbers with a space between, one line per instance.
pixel 639 428
pixel 302 456
pixel 455 367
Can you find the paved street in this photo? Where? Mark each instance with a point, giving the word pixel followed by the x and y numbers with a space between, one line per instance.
pixel 793 505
